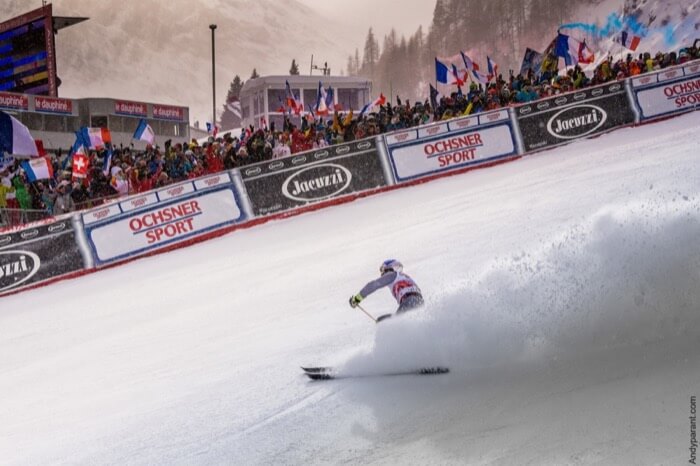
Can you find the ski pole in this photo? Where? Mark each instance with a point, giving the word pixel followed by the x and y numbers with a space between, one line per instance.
pixel 368 314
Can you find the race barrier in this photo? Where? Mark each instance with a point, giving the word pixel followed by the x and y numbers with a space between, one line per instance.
pixel 192 211
pixel 141 224
pixel 668 92
pixel 311 177
pixel 452 145
pixel 564 118
pixel 38 254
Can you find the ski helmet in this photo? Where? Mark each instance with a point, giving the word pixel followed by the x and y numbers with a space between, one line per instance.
pixel 390 265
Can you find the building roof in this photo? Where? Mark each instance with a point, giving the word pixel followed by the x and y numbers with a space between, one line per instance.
pixel 305 81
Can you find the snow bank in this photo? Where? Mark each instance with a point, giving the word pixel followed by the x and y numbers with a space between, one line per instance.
pixel 627 276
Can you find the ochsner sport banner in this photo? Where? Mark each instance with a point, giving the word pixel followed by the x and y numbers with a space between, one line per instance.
pixel 314 176
pixel 675 90
pixel 37 254
pixel 560 119
pixel 457 144
pixel 141 224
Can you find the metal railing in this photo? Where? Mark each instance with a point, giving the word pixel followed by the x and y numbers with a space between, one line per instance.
pixel 16 217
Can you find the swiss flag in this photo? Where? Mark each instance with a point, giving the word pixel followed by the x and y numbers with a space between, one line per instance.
pixel 80 163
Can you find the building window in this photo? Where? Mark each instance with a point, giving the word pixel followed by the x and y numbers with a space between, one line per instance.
pixel 99 121
pixel 54 123
pixel 349 99
pixel 275 99
pixel 310 96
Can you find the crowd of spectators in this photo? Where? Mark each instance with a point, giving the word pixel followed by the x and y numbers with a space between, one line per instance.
pixel 132 171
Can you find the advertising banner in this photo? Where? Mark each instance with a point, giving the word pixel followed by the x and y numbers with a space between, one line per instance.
pixel 168 112
pixel 141 224
pixel 315 176
pixel 449 151
pixel 672 92
pixel 53 105
pixel 14 101
pixel 37 254
pixel 560 119
pixel 125 107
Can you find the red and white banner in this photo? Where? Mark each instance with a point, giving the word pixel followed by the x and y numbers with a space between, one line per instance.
pixel 53 105
pixel 669 97
pixel 14 101
pixel 453 150
pixel 168 112
pixel 163 225
pixel 126 107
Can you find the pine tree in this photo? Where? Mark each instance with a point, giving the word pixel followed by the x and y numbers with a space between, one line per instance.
pixel 229 117
pixel 254 74
pixel 294 69
pixel 371 53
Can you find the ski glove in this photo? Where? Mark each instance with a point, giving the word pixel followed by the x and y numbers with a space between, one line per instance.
pixel 355 300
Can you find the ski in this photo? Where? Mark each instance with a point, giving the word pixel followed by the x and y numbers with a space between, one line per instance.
pixel 327 373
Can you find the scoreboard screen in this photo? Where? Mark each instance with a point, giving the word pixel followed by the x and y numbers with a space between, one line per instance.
pixel 27 54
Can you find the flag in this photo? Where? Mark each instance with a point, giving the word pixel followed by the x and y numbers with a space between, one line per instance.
pixel 95 138
pixel 292 101
pixel 39 168
pixel 321 99
pixel 531 60
pixel 441 72
pixel 381 100
pixel 585 54
pixel 107 164
pixel 15 137
pixel 458 81
pixel 572 51
pixel 628 40
pixel 481 77
pixel 330 98
pixel 234 106
pixel 493 68
pixel 40 148
pixel 209 127
pixel 144 132
pixel 434 97
pixel 80 163
pixel 471 66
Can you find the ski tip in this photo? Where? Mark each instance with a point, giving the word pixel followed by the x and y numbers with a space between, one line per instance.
pixel 319 375
pixel 315 370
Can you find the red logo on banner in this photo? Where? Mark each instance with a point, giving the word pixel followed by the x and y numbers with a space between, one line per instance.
pixel 53 105
pixel 14 101
pixel 124 107
pixel 168 112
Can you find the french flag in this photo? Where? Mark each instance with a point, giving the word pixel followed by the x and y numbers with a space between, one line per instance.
pixel 39 168
pixel 96 137
pixel 628 40
pixel 441 72
pixel 493 68
pixel 321 100
pixel 572 51
pixel 292 102
pixel 471 66
pixel 144 132
pixel 15 137
pixel 381 100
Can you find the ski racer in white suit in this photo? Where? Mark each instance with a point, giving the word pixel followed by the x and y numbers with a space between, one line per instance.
pixel 404 289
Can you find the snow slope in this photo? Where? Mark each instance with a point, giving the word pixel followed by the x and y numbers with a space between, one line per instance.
pixel 562 291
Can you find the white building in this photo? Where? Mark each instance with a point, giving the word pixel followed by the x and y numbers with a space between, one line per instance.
pixel 263 97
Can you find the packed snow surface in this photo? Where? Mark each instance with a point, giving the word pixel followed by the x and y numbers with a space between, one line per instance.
pixel 562 291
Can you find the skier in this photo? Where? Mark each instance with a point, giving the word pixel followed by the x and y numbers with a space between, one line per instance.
pixel 404 289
